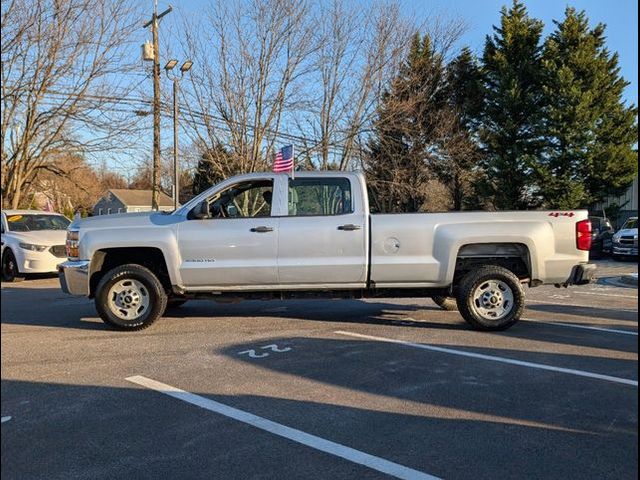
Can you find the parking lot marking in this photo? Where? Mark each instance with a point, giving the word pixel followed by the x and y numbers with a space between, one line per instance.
pixel 298 436
pixel 6 419
pixel 585 327
pixel 511 361
pixel 564 304
pixel 605 294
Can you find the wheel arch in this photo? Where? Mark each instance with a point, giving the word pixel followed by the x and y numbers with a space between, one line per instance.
pixel 514 256
pixel 106 259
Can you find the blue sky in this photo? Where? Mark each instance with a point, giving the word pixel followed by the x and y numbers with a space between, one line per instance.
pixel 620 16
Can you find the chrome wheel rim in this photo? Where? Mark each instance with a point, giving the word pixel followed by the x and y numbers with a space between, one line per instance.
pixel 493 300
pixel 128 299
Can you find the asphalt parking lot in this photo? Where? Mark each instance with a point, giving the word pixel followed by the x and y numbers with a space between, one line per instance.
pixel 322 389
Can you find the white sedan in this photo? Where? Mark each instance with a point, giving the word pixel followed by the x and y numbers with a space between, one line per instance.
pixel 32 242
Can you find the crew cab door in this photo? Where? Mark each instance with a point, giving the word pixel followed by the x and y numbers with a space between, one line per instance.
pixel 323 239
pixel 236 246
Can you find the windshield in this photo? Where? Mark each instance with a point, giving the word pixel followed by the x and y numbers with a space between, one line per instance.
pixel 36 222
pixel 631 223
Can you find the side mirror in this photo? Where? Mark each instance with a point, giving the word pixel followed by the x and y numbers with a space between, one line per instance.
pixel 201 211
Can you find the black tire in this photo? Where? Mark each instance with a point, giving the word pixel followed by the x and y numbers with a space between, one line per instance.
pixel 597 252
pixel 478 280
pixel 446 303
pixel 146 285
pixel 10 272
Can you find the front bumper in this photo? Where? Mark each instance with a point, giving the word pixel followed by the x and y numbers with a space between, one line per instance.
pixel 582 274
pixel 36 262
pixel 631 250
pixel 74 277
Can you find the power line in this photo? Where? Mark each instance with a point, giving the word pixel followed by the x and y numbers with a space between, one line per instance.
pixel 199 118
pixel 204 117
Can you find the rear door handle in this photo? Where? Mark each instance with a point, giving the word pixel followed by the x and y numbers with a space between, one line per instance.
pixel 262 229
pixel 349 227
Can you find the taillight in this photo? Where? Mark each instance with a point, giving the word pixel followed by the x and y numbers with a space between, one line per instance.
pixel 583 235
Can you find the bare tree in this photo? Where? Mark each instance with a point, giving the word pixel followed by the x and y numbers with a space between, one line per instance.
pixel 78 189
pixel 416 140
pixel 249 53
pixel 62 62
pixel 357 53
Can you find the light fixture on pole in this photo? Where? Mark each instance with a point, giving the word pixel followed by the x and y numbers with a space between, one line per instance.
pixel 186 66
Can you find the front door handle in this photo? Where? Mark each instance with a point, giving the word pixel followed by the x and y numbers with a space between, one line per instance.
pixel 349 227
pixel 262 229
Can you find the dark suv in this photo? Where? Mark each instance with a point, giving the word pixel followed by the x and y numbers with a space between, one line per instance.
pixel 601 237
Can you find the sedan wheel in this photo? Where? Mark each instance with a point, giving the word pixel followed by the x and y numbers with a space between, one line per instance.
pixel 10 272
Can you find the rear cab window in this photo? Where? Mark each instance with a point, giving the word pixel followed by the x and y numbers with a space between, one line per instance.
pixel 319 196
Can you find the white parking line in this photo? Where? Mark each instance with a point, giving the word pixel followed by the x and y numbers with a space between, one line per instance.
pixel 563 304
pixel 298 436
pixel 585 327
pixel 605 294
pixel 6 419
pixel 511 361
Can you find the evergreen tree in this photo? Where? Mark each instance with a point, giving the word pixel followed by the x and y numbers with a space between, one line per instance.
pixel 208 172
pixel 589 131
pixel 511 67
pixel 457 165
pixel 398 166
pixel 464 81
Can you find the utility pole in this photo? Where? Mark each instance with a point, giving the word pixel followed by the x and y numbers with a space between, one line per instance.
pixel 155 182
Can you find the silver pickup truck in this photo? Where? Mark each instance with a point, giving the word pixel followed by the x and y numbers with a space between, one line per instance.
pixel 270 236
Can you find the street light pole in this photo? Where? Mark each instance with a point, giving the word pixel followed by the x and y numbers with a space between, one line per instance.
pixel 186 66
pixel 176 175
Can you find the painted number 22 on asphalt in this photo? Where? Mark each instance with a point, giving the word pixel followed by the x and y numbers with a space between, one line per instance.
pixel 251 353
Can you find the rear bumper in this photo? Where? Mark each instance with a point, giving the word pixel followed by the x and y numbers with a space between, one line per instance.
pixel 581 274
pixel 74 277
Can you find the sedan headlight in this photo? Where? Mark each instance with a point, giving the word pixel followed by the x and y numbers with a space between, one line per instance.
pixel 33 247
pixel 73 244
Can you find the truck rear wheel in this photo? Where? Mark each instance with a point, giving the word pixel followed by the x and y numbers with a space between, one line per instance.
pixel 446 303
pixel 490 298
pixel 130 297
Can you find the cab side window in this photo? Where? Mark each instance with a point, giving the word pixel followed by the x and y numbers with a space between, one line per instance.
pixel 243 200
pixel 319 196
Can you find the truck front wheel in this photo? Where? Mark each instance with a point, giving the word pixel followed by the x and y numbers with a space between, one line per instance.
pixel 490 298
pixel 130 297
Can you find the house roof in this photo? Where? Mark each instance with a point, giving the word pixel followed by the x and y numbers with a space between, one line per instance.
pixel 139 197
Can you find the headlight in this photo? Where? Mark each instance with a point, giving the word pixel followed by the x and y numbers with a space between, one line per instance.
pixel 73 244
pixel 33 247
